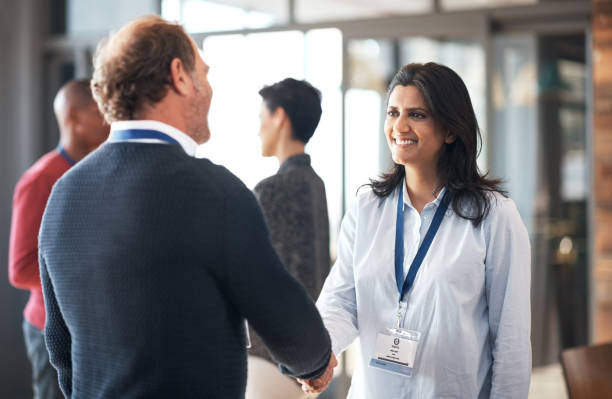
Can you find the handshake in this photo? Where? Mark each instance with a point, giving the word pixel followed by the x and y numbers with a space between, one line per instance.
pixel 318 385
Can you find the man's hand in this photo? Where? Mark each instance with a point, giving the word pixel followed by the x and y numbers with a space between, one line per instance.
pixel 319 384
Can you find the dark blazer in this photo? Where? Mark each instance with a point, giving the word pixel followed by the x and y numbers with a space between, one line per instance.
pixel 295 209
pixel 150 259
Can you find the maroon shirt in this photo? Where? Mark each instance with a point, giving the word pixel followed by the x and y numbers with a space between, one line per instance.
pixel 29 201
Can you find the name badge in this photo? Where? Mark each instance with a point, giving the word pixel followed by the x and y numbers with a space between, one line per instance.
pixel 395 351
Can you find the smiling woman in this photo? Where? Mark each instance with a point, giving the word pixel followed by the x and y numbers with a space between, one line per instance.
pixel 460 256
pixel 433 135
pixel 414 137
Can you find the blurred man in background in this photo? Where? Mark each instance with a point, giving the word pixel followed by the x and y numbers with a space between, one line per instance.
pixel 295 208
pixel 82 129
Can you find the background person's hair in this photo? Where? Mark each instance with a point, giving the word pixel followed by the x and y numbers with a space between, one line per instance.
pixel 79 92
pixel 301 102
pixel 449 103
pixel 137 73
pixel 75 94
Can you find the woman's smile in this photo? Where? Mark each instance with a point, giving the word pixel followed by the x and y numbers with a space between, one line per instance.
pixel 404 141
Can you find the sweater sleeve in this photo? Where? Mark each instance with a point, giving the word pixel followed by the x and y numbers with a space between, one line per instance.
pixel 29 204
pixel 57 336
pixel 273 302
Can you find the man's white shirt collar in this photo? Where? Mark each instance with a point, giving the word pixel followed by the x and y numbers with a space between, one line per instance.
pixel 189 145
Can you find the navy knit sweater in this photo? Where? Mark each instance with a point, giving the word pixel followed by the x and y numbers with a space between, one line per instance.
pixel 150 259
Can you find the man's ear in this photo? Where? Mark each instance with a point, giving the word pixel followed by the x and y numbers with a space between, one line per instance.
pixel 75 119
pixel 72 117
pixel 280 116
pixel 179 77
pixel 283 123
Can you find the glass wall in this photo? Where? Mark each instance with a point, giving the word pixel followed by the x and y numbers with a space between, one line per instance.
pixel 563 221
pixel 372 64
pixel 539 148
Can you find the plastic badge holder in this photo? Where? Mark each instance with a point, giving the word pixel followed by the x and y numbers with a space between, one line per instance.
pixel 395 351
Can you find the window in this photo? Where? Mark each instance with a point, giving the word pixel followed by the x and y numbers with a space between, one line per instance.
pixel 208 16
pixel 240 65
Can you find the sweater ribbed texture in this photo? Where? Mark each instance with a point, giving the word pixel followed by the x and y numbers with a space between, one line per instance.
pixel 150 259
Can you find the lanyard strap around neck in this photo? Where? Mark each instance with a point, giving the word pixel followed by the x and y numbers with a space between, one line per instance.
pixel 65 155
pixel 137 134
pixel 423 248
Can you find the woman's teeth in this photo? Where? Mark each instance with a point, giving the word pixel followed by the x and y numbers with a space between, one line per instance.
pixel 406 141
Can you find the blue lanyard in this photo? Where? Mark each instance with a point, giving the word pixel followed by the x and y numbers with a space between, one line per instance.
pixel 134 134
pixel 423 248
pixel 64 154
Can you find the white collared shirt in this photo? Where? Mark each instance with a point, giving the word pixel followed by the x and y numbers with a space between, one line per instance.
pixel 188 144
pixel 470 300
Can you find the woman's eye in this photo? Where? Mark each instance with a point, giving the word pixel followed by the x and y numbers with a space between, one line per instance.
pixel 392 113
pixel 417 115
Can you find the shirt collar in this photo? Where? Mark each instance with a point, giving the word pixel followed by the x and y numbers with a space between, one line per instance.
pixel 408 202
pixel 187 143
pixel 295 160
pixel 60 148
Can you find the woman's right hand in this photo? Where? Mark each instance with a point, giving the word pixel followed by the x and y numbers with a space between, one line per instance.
pixel 318 385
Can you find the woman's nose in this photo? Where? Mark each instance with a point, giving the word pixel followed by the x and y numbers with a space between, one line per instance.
pixel 402 124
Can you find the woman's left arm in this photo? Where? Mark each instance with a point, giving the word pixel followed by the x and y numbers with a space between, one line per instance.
pixel 508 280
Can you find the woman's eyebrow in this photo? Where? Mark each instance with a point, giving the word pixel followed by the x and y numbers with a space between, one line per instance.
pixel 409 108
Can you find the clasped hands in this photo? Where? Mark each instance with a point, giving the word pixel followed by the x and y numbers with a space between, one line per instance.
pixel 318 385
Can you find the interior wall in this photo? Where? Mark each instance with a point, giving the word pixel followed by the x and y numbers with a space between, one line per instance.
pixel 21 27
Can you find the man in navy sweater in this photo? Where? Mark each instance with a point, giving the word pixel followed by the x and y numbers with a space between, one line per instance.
pixel 150 258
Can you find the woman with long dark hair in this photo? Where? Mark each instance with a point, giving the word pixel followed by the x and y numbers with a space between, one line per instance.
pixel 433 268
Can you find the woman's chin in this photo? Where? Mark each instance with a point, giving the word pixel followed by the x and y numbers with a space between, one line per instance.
pixel 406 161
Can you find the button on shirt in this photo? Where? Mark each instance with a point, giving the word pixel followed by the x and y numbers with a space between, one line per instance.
pixel 470 299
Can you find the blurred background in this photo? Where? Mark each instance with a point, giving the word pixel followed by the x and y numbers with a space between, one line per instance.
pixel 539 75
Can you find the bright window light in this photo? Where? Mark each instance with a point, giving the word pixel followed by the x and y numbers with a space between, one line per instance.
pixel 171 10
pixel 202 16
pixel 363 131
pixel 207 16
pixel 239 67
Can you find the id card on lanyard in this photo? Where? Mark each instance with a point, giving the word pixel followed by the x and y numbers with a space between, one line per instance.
pixel 396 348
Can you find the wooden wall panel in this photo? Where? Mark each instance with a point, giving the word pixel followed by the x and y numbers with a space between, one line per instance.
pixel 602 168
